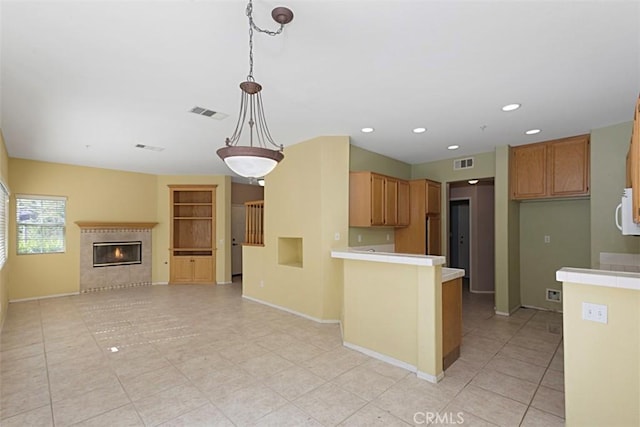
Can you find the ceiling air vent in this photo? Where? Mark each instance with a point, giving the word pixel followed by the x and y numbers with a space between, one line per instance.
pixel 208 113
pixel 463 163
pixel 149 147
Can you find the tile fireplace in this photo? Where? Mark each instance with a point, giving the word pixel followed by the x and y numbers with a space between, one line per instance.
pixel 114 255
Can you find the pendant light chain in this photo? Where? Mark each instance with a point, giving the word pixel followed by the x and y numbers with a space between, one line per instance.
pixel 252 26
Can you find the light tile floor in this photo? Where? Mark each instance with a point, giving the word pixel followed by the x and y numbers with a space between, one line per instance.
pixel 203 356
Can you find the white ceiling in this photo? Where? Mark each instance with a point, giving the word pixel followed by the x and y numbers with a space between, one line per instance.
pixel 83 82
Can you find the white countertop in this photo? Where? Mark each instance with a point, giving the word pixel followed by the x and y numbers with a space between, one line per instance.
pixel 451 273
pixel 606 278
pixel 389 257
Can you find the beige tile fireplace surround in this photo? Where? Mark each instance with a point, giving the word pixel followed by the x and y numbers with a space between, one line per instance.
pixel 116 276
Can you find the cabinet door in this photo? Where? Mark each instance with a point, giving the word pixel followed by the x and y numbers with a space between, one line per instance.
pixel 377 199
pixel 433 236
pixel 433 198
pixel 202 269
pixel 391 202
pixel 528 171
pixel 569 167
pixel 181 269
pixel 404 207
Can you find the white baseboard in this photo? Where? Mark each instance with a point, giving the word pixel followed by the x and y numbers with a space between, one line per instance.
pixel 224 283
pixel 44 297
pixel 502 313
pixel 380 356
pixel 428 377
pixel 542 308
pixel 159 283
pixel 288 310
pixel 395 362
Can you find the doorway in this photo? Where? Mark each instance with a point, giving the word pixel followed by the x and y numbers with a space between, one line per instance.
pixel 460 235
pixel 471 243
pixel 237 237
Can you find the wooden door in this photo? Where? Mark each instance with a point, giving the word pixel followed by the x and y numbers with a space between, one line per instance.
pixel 181 269
pixel 404 206
pixel 203 269
pixel 451 321
pixel 391 202
pixel 433 236
pixel 569 167
pixel 529 171
pixel 377 199
pixel 433 198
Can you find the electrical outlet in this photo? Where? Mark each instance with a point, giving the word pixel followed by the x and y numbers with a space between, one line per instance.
pixel 547 239
pixel 388 237
pixel 594 312
pixel 359 238
pixel 336 236
pixel 262 283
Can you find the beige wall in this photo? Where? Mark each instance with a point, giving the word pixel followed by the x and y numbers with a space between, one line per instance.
pixel 4 273
pixel 241 193
pixel 364 160
pixel 306 197
pixel 161 233
pixel 103 195
pixel 609 146
pixel 92 194
pixel 602 373
pixel 566 222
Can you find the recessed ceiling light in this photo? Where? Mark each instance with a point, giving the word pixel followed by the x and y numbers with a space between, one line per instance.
pixel 532 131
pixel 511 107
pixel 419 130
pixel 473 181
pixel 367 130
pixel 453 147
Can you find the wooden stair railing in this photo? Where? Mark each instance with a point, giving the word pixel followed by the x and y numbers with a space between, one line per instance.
pixel 254 214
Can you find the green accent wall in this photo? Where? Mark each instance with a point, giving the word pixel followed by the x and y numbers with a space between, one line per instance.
pixel 609 146
pixel 567 223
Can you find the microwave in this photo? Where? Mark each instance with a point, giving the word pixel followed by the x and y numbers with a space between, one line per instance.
pixel 624 215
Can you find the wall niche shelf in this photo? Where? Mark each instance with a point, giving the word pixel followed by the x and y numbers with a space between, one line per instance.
pixel 290 251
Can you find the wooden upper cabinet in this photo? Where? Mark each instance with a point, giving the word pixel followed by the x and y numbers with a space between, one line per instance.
pixel 432 197
pixel 404 207
pixel 552 169
pixel 529 171
pixel 377 200
pixel 569 167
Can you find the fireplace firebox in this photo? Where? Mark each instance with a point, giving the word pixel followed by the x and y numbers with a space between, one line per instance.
pixel 109 254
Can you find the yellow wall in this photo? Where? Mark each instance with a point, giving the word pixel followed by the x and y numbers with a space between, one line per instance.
pixel 103 195
pixel 306 197
pixel 92 194
pixel 161 233
pixel 4 274
pixel 602 372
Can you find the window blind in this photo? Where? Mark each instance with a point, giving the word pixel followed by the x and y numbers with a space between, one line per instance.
pixel 40 224
pixel 4 224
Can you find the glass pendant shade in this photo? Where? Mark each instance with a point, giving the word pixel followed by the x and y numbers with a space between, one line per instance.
pixel 250 162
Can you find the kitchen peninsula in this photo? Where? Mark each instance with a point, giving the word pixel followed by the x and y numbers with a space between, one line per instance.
pixel 393 309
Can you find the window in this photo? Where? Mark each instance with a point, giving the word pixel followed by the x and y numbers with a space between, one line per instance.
pixel 41 224
pixel 4 223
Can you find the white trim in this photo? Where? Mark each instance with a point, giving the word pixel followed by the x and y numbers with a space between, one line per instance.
pixel 288 310
pixel 395 362
pixel 469 273
pixel 502 313
pixel 44 297
pixel 382 357
pixel 541 308
pixel 482 292
pixel 429 377
pixel 224 283
pixel 159 283
pixel 40 197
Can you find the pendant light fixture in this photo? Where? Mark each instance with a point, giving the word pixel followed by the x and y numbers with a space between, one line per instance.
pixel 255 159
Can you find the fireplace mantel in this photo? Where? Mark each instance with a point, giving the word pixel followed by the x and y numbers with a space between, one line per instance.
pixel 116 225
